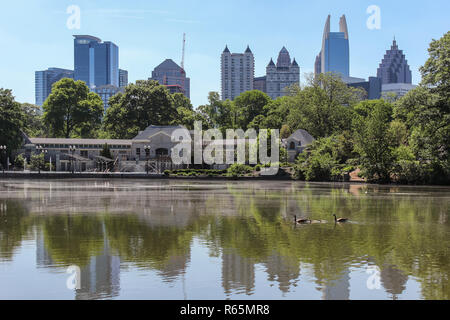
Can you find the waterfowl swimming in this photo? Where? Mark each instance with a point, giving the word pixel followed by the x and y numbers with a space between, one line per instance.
pixel 340 220
pixel 301 221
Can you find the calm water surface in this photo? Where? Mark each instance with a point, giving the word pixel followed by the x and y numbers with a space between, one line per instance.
pixel 135 239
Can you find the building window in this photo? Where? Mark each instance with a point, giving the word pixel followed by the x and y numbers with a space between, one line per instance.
pixel 292 145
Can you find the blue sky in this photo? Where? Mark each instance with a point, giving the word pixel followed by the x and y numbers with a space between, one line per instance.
pixel 35 36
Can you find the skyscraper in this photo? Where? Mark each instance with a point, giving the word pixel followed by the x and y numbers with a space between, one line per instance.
pixel 123 78
pixel 171 75
pixel 44 81
pixel 335 54
pixel 394 67
pixel 282 75
pixel 96 62
pixel 394 73
pixel 238 73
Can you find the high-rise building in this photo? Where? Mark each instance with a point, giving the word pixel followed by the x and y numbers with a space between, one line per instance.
pixel 238 73
pixel 282 75
pixel 394 67
pixel 395 73
pixel 44 81
pixel 106 92
pixel 96 62
pixel 123 78
pixel 171 75
pixel 335 54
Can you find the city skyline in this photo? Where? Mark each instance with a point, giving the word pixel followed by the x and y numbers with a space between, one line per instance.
pixel 51 43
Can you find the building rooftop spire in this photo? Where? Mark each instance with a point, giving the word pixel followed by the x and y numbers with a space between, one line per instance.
pixel 226 49
pixel 248 49
pixel 284 60
pixel 394 45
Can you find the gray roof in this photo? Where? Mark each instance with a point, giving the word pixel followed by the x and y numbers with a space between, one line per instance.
pixel 37 141
pixel 168 64
pixel 150 131
pixel 303 136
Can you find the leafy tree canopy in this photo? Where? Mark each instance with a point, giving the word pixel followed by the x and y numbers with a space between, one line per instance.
pixel 71 110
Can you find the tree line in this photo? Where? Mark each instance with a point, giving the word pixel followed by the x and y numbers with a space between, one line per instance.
pixel 405 140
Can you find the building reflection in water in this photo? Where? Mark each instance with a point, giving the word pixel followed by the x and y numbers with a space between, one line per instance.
pixel 238 273
pixel 338 289
pixel 100 278
pixel 281 270
pixel 393 280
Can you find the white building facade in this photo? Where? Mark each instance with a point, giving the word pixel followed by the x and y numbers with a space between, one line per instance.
pixel 282 75
pixel 238 73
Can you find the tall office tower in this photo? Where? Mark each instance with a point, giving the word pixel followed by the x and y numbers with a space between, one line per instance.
pixel 335 54
pixel 106 92
pixel 238 73
pixel 123 78
pixel 394 67
pixel 171 75
pixel 96 62
pixel 43 81
pixel 282 75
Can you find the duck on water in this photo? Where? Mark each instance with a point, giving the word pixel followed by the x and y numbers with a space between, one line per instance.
pixel 340 220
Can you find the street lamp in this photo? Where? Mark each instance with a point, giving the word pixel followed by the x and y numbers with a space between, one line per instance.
pixel 3 148
pixel 147 155
pixel 72 151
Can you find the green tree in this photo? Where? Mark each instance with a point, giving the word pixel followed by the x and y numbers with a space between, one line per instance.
pixel 186 115
pixel 373 139
pixel 426 114
pixel 436 71
pixel 142 104
pixel 11 122
pixel 33 124
pixel 37 162
pixel 217 113
pixel 106 152
pixel 250 104
pixel 326 159
pixel 71 110
pixel 285 132
pixel 324 107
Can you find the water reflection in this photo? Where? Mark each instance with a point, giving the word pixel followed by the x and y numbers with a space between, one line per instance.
pixel 117 232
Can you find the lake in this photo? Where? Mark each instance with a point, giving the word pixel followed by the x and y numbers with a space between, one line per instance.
pixel 192 239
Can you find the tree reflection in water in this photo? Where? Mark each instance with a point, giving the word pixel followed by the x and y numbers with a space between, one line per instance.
pixel 153 225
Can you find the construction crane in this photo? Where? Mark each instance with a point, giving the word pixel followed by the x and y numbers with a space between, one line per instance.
pixel 182 53
pixel 183 73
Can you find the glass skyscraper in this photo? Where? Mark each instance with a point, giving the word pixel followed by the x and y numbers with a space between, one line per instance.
pixel 44 81
pixel 335 54
pixel 96 62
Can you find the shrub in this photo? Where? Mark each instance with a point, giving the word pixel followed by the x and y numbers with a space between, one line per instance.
pixel 237 170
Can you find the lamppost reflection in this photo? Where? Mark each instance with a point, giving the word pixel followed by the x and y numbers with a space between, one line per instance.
pixel 147 155
pixel 3 149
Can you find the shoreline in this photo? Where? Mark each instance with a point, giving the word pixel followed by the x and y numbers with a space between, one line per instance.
pixel 153 176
